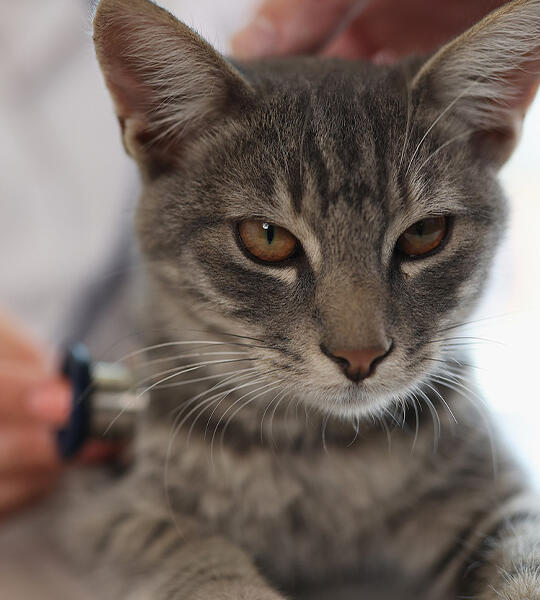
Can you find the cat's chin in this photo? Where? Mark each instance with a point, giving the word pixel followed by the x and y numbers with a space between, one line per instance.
pixel 354 402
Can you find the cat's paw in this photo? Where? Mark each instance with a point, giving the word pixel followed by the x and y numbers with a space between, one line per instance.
pixel 516 586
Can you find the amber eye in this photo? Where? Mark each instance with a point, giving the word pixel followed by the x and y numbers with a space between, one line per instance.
pixel 423 237
pixel 267 242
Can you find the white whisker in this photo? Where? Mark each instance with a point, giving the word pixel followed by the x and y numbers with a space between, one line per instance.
pixel 442 400
pixel 242 406
pixel 188 370
pixel 234 379
pixel 441 115
pixel 181 369
pixel 434 416
pixel 189 355
pixel 408 125
pixel 163 345
pixel 282 391
pixel 262 377
pixel 230 408
pixel 444 145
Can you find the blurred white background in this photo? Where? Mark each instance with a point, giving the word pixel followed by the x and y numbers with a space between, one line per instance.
pixel 67 190
pixel 509 360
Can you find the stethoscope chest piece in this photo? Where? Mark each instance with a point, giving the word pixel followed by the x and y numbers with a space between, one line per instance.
pixel 104 402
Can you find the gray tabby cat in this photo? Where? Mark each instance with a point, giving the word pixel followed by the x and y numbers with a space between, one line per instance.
pixel 329 225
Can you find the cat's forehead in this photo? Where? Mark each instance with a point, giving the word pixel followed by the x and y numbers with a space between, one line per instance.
pixel 338 141
pixel 323 145
pixel 324 151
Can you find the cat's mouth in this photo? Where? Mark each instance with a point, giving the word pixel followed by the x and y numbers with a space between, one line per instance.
pixel 388 379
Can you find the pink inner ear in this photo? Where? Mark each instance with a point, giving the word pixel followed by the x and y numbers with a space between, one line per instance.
pixel 133 104
pixel 131 96
pixel 117 42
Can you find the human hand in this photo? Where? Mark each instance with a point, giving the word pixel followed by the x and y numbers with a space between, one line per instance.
pixel 381 30
pixel 33 402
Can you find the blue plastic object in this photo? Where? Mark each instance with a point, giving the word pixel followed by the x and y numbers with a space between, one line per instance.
pixel 77 369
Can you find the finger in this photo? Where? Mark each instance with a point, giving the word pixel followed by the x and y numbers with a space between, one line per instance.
pixel 96 452
pixel 350 44
pixel 18 492
pixel 27 393
pixel 50 402
pixel 401 28
pixel 284 27
pixel 368 33
pixel 27 449
pixel 16 344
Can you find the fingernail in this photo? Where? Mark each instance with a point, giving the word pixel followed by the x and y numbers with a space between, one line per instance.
pixel 50 402
pixel 256 40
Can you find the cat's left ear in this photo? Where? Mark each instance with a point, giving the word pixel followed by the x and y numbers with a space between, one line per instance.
pixel 168 85
pixel 488 77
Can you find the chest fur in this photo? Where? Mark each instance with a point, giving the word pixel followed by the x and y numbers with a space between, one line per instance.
pixel 305 516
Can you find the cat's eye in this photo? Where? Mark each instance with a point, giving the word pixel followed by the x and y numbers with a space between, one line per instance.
pixel 423 237
pixel 267 242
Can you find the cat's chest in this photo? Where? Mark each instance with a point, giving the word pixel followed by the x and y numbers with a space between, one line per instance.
pixel 300 514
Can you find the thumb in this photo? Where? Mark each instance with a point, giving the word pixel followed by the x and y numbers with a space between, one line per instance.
pixel 283 27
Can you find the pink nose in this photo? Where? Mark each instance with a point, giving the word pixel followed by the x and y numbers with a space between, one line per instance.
pixel 359 364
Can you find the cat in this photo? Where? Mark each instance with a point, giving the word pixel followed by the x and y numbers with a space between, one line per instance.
pixel 315 232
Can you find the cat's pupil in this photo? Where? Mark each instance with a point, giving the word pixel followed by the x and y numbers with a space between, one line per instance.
pixel 420 228
pixel 270 232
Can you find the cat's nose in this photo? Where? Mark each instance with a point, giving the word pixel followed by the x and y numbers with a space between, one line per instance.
pixel 359 364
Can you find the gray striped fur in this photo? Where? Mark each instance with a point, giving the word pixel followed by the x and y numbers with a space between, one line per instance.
pixel 287 480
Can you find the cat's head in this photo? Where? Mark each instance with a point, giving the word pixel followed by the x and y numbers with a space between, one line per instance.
pixel 341 215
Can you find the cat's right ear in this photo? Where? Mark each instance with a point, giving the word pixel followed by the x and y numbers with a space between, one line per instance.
pixel 168 85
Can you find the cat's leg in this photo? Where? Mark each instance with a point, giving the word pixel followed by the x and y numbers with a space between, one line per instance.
pixel 470 533
pixel 466 525
pixel 132 550
pixel 504 561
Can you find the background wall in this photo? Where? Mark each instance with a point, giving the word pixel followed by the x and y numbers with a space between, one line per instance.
pixel 67 192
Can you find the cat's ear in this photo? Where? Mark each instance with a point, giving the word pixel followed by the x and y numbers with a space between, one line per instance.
pixel 167 83
pixel 488 77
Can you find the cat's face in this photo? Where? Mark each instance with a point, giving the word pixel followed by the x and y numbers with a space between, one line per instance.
pixel 329 162
pixel 286 210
